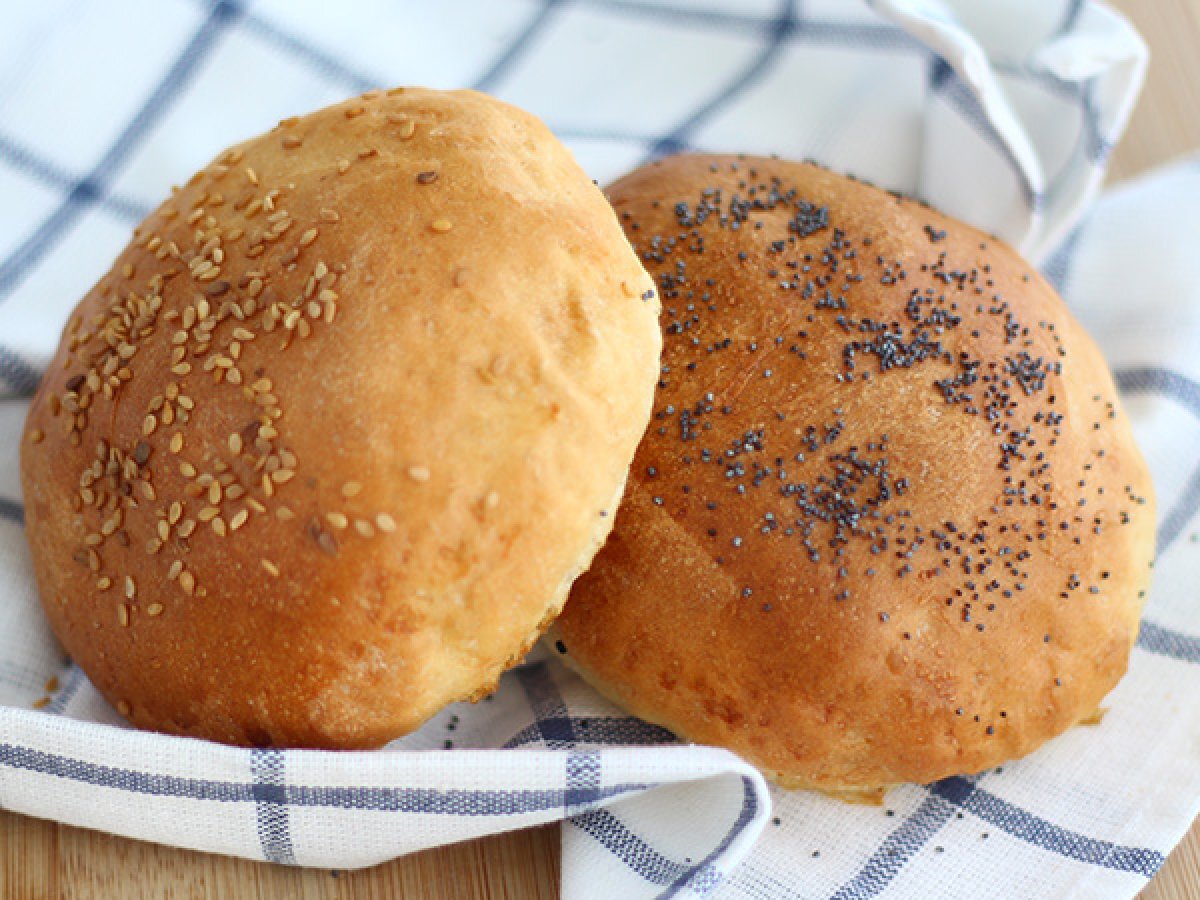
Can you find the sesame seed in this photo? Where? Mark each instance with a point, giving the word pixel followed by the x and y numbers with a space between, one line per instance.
pixel 149 424
pixel 337 519
pixel 441 226
pixel 418 473
pixel 219 527
pixel 36 436
pixel 130 587
pixel 308 237
pixel 239 519
pixel 154 609
pixel 235 444
pixel 176 568
pixel 176 442
pixel 385 523
pixel 271 568
pixel 123 615
pixel 365 528
pixel 123 708
pixel 284 514
pixel 351 489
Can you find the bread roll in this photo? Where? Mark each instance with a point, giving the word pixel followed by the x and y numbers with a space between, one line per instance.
pixel 888 523
pixel 325 448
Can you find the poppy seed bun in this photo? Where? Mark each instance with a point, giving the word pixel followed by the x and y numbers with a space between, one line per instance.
pixel 325 449
pixel 889 523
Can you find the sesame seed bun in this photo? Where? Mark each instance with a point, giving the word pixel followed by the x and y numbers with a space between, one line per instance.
pixel 326 447
pixel 889 523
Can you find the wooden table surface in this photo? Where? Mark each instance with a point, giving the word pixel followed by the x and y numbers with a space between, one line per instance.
pixel 43 859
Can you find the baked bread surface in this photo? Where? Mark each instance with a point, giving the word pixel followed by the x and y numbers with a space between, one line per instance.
pixel 888 523
pixel 325 448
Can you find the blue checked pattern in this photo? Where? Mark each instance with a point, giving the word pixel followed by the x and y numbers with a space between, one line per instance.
pixel 1017 144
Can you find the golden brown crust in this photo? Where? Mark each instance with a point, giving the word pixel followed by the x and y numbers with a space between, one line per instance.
pixel 325 449
pixel 826 560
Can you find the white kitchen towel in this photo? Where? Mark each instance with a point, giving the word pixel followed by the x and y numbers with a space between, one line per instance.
pixel 1002 113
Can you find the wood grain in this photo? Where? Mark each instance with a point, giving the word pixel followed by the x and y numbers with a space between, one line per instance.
pixel 1179 879
pixel 43 859
pixel 1166 122
pixel 40 859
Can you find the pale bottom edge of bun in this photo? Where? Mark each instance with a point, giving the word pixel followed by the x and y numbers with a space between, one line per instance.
pixel 599 536
pixel 864 795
